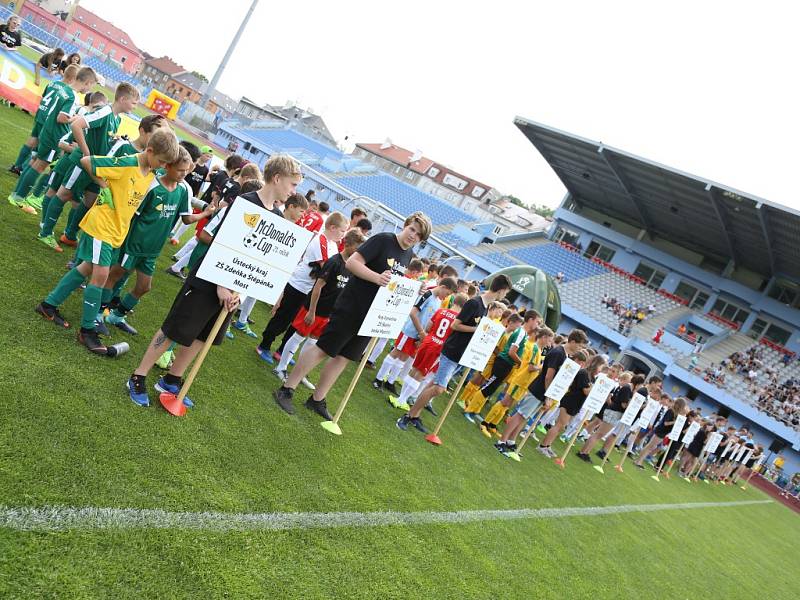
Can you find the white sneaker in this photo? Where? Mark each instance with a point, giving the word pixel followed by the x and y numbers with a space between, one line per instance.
pixel 308 384
pixel 282 375
pixel 543 450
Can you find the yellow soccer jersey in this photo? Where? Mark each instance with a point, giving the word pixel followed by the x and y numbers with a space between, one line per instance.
pixel 109 221
pixel 522 377
pixel 487 370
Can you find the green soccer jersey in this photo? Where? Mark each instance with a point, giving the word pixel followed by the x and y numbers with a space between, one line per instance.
pixel 517 338
pixel 121 147
pixel 63 102
pixel 102 124
pixel 48 96
pixel 155 218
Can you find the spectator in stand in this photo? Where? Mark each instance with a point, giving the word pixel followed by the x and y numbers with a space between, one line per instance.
pixel 682 329
pixel 658 335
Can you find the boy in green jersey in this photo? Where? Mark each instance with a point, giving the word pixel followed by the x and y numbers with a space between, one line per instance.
pixel 92 133
pixel 59 114
pixel 167 200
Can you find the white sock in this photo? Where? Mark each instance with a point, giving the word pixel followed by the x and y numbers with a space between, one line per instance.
pixel 187 248
pixel 406 369
pixel 377 350
pixel 179 229
pixel 310 342
pixel 395 370
pixel 184 260
pixel 289 349
pixel 386 366
pixel 412 397
pixel 410 386
pixel 247 307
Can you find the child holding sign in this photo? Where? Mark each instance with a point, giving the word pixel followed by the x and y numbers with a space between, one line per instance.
pixel 662 429
pixel 371 267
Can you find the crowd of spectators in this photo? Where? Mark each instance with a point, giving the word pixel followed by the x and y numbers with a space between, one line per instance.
pixel 627 313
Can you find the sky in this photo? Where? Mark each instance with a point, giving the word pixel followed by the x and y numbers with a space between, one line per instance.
pixel 709 87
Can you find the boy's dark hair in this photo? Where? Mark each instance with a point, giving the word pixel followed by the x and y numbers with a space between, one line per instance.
pixel 472 291
pixel 415 264
pixel 94 97
pixel 578 336
pixel 499 283
pixel 655 379
pixel 234 162
pixel 357 211
pixel 71 56
pixel 444 270
pixel 364 224
pixel 151 122
pixel 531 314
pixel 192 149
pixel 637 380
pixel 352 237
pixel 297 199
pixel 449 283
pixel 514 317
pixel 310 195
pixel 433 268
pixel 252 185
pixel 461 282
pixel 324 207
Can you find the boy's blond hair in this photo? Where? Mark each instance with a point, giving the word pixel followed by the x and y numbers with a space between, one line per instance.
pixel 336 219
pixel 460 300
pixel 164 145
pixel 281 165
pixel 86 74
pixel 354 237
pixel 126 90
pixel 250 171
pixel 424 223
pixel 71 72
pixel 183 157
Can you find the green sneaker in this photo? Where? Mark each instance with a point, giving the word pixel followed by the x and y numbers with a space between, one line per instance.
pixel 50 241
pixel 34 201
pixel 541 429
pixel 394 401
pixel 245 329
pixel 14 199
pixel 165 360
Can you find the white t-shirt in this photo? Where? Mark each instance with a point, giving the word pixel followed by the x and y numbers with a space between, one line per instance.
pixel 319 250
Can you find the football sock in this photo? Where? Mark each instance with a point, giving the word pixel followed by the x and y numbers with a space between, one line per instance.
pixel 68 284
pixel 74 219
pixel 410 385
pixel 54 210
pixel 288 351
pixel 386 366
pixel 22 157
pixel 92 297
pixel 26 181
pixel 496 414
pixel 395 370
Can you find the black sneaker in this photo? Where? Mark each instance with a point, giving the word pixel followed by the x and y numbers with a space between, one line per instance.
pixel 100 327
pixel 15 170
pixel 92 342
pixel 501 447
pixel 403 422
pixel 283 396
pixel 319 407
pixel 378 384
pixel 584 457
pixel 389 387
pixel 51 314
pixel 601 454
pixel 370 364
pixel 417 422
pixel 177 274
pixel 429 408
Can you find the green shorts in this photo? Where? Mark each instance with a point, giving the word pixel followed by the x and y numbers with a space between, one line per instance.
pixel 47 150
pixel 143 264
pixel 54 181
pixel 37 127
pixel 78 181
pixel 96 251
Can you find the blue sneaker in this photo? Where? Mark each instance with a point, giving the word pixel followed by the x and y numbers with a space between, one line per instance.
pixel 229 333
pixel 469 417
pixel 137 390
pixel 265 355
pixel 403 422
pixel 244 328
pixel 163 386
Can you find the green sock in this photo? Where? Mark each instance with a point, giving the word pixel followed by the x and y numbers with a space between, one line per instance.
pixel 45 204
pixel 22 157
pixel 54 210
pixel 68 284
pixel 108 293
pixel 92 296
pixel 26 181
pixel 76 215
pixel 39 185
pixel 126 305
pixel 117 291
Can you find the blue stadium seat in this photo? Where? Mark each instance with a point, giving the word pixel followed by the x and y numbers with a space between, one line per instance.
pixel 552 259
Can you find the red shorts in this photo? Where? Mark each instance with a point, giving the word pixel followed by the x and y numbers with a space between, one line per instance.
pixel 427 358
pixel 314 330
pixel 406 345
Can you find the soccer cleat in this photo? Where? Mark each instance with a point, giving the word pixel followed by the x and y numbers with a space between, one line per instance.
pixel 485 430
pixel 305 381
pixel 245 328
pixel 137 390
pixel 67 242
pixel 171 388
pixel 378 385
pixel 119 322
pixel 282 375
pixel 584 457
pixel 638 466
pixel 14 199
pixel 417 422
pixel 394 401
pixel 541 429
pixel 283 397
pixel 430 409
pixel 165 360
pixel 390 387
pixel 319 407
pixel 92 342
pixel 100 327
pixel 51 314
pixel 370 365
pixel 265 355
pixel 50 241
pixel 178 274
pixel 403 422
pixel 15 170
pixel 600 454
pixel 34 202
pixel 229 333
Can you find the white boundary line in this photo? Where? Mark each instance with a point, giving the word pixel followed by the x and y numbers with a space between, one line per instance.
pixel 60 518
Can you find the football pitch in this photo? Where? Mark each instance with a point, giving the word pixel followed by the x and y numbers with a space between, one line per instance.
pixel 100 498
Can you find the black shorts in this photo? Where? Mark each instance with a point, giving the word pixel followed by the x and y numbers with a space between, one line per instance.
pixel 340 336
pixel 500 370
pixel 192 316
pixel 572 406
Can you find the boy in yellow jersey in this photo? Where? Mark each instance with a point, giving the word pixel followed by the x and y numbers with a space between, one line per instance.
pixel 507 360
pixel 124 181
pixel 473 401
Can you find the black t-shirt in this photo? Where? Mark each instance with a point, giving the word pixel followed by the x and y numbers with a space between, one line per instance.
pixel 620 398
pixel 380 252
pixel 43 62
pixel 196 178
pixel 553 360
pixel 253 197
pixel 663 429
pixel 10 39
pixel 471 313
pixel 230 190
pixel 217 183
pixel 575 395
pixel 336 276
pixel 696 445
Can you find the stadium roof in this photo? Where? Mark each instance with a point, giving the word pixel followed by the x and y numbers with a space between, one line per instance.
pixel 701 215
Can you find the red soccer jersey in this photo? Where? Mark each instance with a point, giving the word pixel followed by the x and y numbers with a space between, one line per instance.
pixel 312 221
pixel 440 325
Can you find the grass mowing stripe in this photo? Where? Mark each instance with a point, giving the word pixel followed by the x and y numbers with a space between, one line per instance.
pixel 53 518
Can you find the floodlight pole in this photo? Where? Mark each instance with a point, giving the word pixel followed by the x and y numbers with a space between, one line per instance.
pixel 214 80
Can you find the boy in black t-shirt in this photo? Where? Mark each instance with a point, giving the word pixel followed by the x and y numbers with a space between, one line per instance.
pixel 371 267
pixel 462 329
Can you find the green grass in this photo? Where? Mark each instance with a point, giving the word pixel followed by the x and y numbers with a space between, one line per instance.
pixel 70 436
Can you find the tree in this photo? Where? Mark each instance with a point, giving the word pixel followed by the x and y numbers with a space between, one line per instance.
pixel 541 210
pixel 200 76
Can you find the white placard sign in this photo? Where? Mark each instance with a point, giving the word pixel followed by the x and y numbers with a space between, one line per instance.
pixel 563 379
pixel 390 308
pixel 688 437
pixel 713 442
pixel 677 427
pixel 648 412
pixel 740 454
pixel 482 344
pixel 632 409
pixel 598 394
pixel 254 252
pixel 730 447
pixel 760 461
pixel 747 456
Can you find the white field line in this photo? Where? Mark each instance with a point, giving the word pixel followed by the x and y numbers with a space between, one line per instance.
pixel 60 518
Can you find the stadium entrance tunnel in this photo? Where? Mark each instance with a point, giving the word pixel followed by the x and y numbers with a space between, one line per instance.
pixel 536 287
pixel 638 363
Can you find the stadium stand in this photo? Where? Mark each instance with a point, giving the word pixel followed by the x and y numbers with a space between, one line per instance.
pixel 554 259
